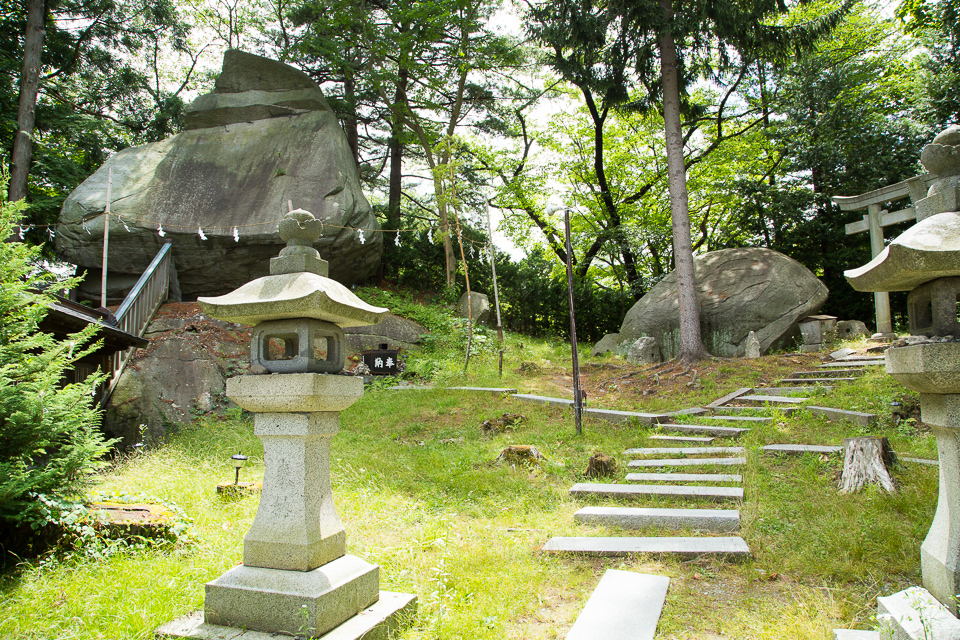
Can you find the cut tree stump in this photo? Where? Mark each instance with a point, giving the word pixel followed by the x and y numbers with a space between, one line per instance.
pixel 523 454
pixel 867 461
pixel 600 465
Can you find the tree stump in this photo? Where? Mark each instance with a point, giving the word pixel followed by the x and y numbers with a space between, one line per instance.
pixel 523 454
pixel 867 461
pixel 600 465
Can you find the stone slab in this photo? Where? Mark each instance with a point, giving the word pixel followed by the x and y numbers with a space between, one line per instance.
pixel 714 520
pixel 413 387
pixel 693 411
pixel 842 353
pixel 527 397
pixel 376 622
pixel 274 600
pixel 859 418
pixel 738 418
pixel 687 462
pixel 730 547
pixel 684 477
pixel 733 410
pixel 494 390
pixel 780 391
pixel 932 463
pixel 643 490
pixel 713 430
pixel 802 448
pixel 727 398
pixel 914 614
pixel 624 606
pixel 828 372
pixel 691 439
pixel 854 634
pixel 769 398
pixel 809 380
pixel 681 451
pixel 876 362
pixel 617 417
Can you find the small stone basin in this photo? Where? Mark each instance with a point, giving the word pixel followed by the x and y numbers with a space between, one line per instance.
pixel 294 392
pixel 926 368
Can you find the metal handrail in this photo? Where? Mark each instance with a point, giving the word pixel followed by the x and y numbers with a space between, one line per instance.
pixel 138 308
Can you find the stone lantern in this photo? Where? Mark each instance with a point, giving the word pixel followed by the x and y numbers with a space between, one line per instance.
pixel 925 260
pixel 296 577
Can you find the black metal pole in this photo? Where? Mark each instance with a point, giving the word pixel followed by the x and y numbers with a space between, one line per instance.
pixel 577 395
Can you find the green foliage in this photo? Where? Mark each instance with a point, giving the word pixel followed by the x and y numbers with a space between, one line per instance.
pixel 49 434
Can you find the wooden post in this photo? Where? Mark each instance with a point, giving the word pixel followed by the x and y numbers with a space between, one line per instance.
pixel 496 293
pixel 577 395
pixel 106 242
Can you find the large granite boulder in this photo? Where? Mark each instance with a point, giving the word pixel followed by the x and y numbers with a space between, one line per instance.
pixel 739 291
pixel 265 139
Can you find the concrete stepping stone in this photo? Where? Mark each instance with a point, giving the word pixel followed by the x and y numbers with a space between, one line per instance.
pixel 617 417
pixel 780 391
pixel 494 390
pixel 691 439
pixel 625 606
pixel 681 451
pixel 686 462
pixel 417 387
pixel 855 634
pixel 690 492
pixel 737 418
pixel 828 372
pixel 861 363
pixel 527 397
pixel 784 410
pixel 802 448
pixel 809 380
pixel 684 477
pixel 727 398
pixel 932 463
pixel 693 411
pixel 768 398
pixel 858 418
pixel 682 546
pixel 713 520
pixel 709 429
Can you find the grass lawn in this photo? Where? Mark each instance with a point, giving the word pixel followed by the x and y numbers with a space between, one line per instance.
pixel 419 494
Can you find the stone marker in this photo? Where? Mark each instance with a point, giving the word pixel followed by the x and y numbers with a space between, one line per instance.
pixel 732 547
pixel 624 606
pixel 296 577
pixel 849 329
pixel 479 307
pixel 751 348
pixel 715 520
pixel 644 350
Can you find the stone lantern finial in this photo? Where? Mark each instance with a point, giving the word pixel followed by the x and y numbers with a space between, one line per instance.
pixel 299 229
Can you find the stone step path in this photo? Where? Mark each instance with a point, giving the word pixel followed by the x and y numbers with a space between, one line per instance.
pixel 687 462
pixel 684 477
pixel 690 439
pixel 635 491
pixel 772 399
pixel 624 606
pixel 713 520
pixel 857 417
pixel 681 451
pixel 681 546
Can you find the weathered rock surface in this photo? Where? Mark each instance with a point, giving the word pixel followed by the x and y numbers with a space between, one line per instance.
pixel 397 332
pixel 266 137
pixel 739 290
pixel 479 307
pixel 848 329
pixel 644 351
pixel 607 343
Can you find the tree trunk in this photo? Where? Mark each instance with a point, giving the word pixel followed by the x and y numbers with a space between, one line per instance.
pixel 867 461
pixel 396 176
pixel 29 86
pixel 691 345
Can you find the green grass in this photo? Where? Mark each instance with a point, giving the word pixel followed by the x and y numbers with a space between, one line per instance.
pixel 418 492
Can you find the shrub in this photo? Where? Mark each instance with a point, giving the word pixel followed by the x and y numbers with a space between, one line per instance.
pixel 49 434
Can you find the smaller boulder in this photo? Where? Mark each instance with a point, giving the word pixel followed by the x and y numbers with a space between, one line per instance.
pixel 849 329
pixel 751 347
pixel 478 309
pixel 644 351
pixel 607 344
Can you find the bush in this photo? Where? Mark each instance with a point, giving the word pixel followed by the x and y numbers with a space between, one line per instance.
pixel 49 434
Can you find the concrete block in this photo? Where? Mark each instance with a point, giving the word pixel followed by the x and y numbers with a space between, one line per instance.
pixel 685 477
pixel 691 492
pixel 617 417
pixel 527 397
pixel 687 462
pixel 914 614
pixel 497 391
pixel 858 418
pixel 681 451
pixel 720 432
pixel 687 547
pixel 376 622
pixel 690 439
pixel 735 410
pixel 782 391
pixel 802 448
pixel 727 398
pixel 292 602
pixel 775 399
pixel 693 411
pixel 737 418
pixel 624 606
pixel 714 520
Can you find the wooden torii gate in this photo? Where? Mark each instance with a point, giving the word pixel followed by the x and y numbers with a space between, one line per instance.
pixel 874 222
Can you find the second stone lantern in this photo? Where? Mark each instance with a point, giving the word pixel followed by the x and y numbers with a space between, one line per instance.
pixel 296 577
